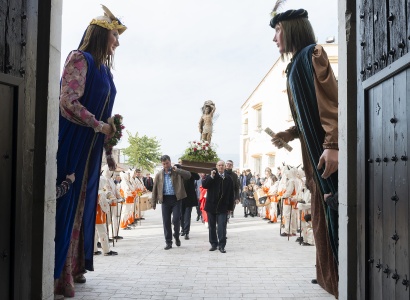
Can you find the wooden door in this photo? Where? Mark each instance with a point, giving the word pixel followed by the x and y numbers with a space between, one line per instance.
pixel 384 87
pixel 7 164
pixel 29 36
pixel 388 190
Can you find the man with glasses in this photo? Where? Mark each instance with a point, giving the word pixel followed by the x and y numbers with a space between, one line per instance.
pixel 219 203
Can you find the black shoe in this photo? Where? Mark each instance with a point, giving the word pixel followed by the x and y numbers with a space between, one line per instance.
pixel 126 228
pixel 142 218
pixel 167 247
pixel 213 248
pixel 98 245
pixel 306 244
pixel 314 281
pixel 299 239
pixel 187 236
pixel 222 250
pixel 97 252
pixel 177 242
pixel 110 240
pixel 245 215
pixel 182 233
pixel 197 218
pixel 111 253
pixel 118 237
pixel 80 279
pixel 231 215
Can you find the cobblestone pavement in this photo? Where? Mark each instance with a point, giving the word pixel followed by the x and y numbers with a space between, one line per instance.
pixel 258 264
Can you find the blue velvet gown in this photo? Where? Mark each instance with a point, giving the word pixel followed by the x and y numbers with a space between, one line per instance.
pixel 80 151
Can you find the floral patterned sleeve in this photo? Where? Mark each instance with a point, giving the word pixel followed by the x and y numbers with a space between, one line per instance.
pixel 72 89
pixel 63 188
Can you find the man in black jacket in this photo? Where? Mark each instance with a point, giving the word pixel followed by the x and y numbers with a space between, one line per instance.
pixel 219 202
pixel 234 176
pixel 187 203
pixel 148 182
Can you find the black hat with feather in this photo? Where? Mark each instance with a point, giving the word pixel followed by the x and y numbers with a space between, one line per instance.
pixel 287 15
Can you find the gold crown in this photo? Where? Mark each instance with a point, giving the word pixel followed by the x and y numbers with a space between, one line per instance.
pixel 108 21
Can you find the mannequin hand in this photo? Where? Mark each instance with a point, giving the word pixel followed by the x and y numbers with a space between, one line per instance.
pixel 71 177
pixel 107 129
pixel 330 158
pixel 284 135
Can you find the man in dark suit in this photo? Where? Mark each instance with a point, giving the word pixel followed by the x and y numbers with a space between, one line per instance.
pixel 248 176
pixel 148 182
pixel 219 203
pixel 234 176
pixel 190 201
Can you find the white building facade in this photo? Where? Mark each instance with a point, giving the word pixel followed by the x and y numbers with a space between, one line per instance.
pixel 268 106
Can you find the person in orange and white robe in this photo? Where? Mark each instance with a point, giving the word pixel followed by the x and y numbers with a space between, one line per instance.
pixel 141 189
pixel 128 193
pixel 274 200
pixel 290 202
pixel 281 190
pixel 299 186
pixel 261 209
pixel 103 206
pixel 136 193
pixel 116 200
pixel 270 180
pixel 306 218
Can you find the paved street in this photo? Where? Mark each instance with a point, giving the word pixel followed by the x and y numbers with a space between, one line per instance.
pixel 258 264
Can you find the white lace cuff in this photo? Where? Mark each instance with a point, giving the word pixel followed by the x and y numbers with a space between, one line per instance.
pixel 99 127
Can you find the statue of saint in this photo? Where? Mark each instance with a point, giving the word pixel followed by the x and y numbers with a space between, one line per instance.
pixel 205 123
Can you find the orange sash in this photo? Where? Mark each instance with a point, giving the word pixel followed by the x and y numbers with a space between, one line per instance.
pixel 129 200
pixel 101 217
pixel 289 201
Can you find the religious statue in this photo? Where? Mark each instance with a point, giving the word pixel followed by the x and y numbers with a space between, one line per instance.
pixel 205 123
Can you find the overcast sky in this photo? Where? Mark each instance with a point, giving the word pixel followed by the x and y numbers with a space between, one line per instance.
pixel 177 54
